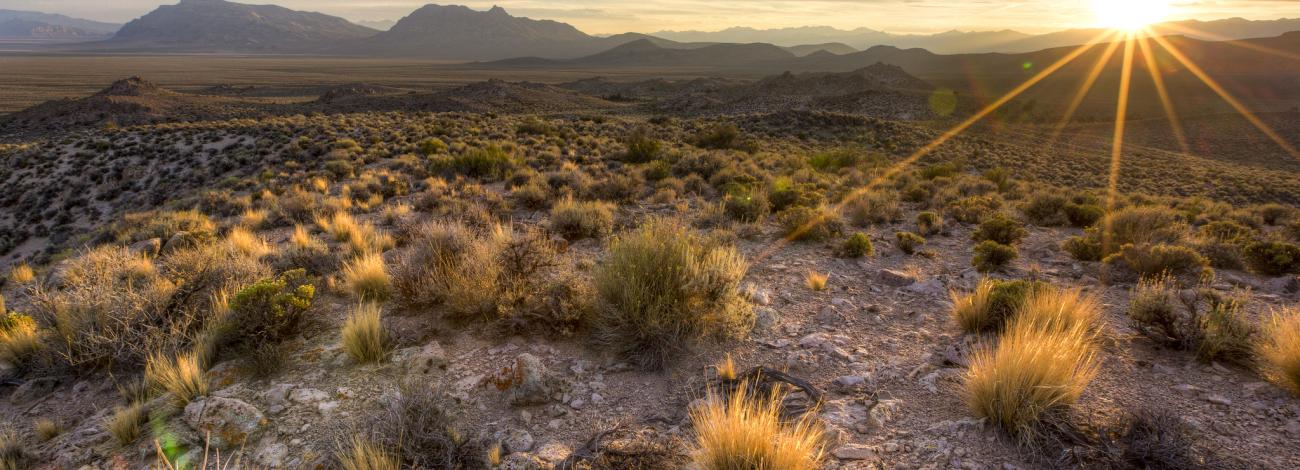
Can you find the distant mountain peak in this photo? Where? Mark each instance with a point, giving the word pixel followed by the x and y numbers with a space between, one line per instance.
pixel 219 25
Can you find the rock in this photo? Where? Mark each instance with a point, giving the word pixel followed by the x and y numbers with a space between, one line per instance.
pixel 854 452
pixel 33 390
pixel 1187 389
pixel 150 247
pixel 304 396
pixel 1218 400
pixel 553 452
pixel 760 296
pixel 516 440
pixel 829 316
pixel 271 454
pixel 179 241
pixel 896 278
pixel 928 287
pixel 1283 285
pixel 230 422
pixel 521 462
pixel 428 360
pixel 764 319
pixel 529 382
pixel 849 383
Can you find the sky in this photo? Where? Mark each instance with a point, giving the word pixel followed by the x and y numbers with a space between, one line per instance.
pixel 617 16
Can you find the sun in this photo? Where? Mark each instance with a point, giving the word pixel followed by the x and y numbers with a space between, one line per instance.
pixel 1129 15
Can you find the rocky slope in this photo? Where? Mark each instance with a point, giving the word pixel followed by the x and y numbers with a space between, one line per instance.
pixel 221 26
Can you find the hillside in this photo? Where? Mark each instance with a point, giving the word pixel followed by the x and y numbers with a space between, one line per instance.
pixel 221 26
pixel 89 26
pixel 29 29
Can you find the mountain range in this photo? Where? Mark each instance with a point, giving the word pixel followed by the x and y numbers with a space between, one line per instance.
pixel 221 26
pixel 37 25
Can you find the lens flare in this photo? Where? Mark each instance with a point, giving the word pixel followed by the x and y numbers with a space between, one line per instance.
pixel 1130 15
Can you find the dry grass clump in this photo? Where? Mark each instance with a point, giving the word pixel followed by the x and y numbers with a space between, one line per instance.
pixel 417 429
pixel 182 376
pixel 13 455
pixel 1060 309
pixel 22 274
pixel 992 304
pixel 366 278
pixel 662 286
pixel 1279 348
pixel 253 219
pixel 360 237
pixel 126 423
pixel 244 242
pixel 449 264
pixel 1031 371
pixel 137 226
pixel 364 337
pixel 575 219
pixel 308 253
pixel 815 280
pixel 45 429
pixel 875 207
pixel 21 341
pixel 362 454
pixel 747 432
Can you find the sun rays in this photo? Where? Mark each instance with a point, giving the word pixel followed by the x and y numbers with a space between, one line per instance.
pixel 1134 35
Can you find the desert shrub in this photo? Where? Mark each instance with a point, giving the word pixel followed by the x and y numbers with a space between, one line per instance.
pixel 908 242
pixel 1029 373
pixel 432 146
pixel 1226 231
pixel 857 246
pixel 182 376
pixel 1279 348
pixel 576 220
pixel 1221 255
pixel 641 147
pixel 991 256
pixel 992 304
pixel 815 280
pixel 1273 258
pixel 1083 248
pixel 534 126
pixel 1001 229
pixel 720 137
pixel 1276 214
pixel 266 313
pixel 491 162
pixel 1150 260
pixel 362 454
pixel 1154 311
pixel 784 194
pixel 746 204
pixel 533 196
pixel 1140 225
pixel 844 157
pixel 449 264
pixel 744 431
pixel 929 223
pixel 624 187
pixel 973 209
pixel 804 223
pixel 307 253
pixel 366 278
pixel 137 226
pixel 1225 334
pixel 660 286
pixel 364 337
pixel 1046 209
pixel 126 423
pixel 417 429
pixel 940 170
pixel 875 207
pixel 1083 215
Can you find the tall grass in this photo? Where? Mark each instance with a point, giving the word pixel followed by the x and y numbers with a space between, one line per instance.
pixel 181 376
pixel 1279 348
pixel 364 338
pixel 366 278
pixel 362 454
pixel 747 432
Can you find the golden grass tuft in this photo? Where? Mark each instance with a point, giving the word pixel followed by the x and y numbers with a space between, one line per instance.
pixel 253 219
pixel 972 311
pixel 364 338
pixel 20 338
pixel 747 432
pixel 726 369
pixel 46 429
pixel 366 278
pixel 242 241
pixel 1032 370
pixel 126 423
pixel 22 274
pixel 362 454
pixel 1052 309
pixel 815 280
pixel 1279 348
pixel 183 376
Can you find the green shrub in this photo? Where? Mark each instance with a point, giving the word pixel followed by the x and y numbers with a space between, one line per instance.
pixel 661 286
pixel 1083 248
pixel 746 205
pixel 1155 312
pixel 641 147
pixel 804 223
pixel 857 246
pixel 1046 209
pixel 432 146
pixel 929 223
pixel 973 209
pixel 1083 215
pixel 534 196
pixel 941 170
pixel 1226 231
pixel 992 304
pixel 785 194
pixel 1141 225
pixel 1001 229
pixel 908 242
pixel 1273 258
pixel 1150 260
pixel 491 162
pixel 992 256
pixel 267 312
pixel 576 220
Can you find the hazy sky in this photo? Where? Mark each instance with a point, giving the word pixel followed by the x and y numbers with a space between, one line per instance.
pixel 615 16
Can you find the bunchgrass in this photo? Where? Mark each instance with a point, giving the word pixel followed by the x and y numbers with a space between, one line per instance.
pixel 364 338
pixel 366 278
pixel 1279 348
pixel 183 377
pixel 742 431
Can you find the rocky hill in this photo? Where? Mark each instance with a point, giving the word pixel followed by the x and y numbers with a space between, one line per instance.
pixel 89 26
pixel 459 33
pixel 125 102
pixel 221 26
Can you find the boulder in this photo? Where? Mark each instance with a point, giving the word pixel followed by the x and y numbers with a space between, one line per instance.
pixel 896 278
pixel 428 360
pixel 527 382
pixel 230 422
pixel 150 247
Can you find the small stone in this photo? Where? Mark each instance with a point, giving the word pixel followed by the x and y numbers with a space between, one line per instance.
pixel 305 396
pixel 1218 400
pixel 1187 389
pixel 854 452
pixel 517 440
pixel 553 452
